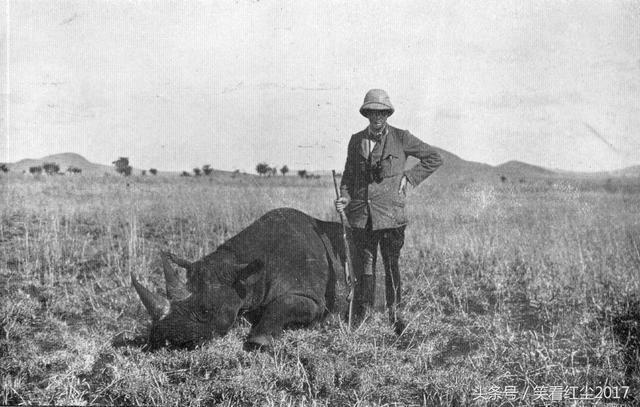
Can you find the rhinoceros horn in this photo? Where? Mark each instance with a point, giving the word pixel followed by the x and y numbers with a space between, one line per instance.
pixel 176 288
pixel 156 304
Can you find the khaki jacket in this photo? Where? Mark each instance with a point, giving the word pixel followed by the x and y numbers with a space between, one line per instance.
pixel 380 197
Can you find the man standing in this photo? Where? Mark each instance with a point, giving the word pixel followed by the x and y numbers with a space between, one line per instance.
pixel 373 191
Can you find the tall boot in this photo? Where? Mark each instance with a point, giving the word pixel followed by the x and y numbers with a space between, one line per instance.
pixel 365 299
pixel 395 319
pixel 390 245
pixel 368 291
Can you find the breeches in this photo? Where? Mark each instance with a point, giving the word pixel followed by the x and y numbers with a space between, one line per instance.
pixel 390 242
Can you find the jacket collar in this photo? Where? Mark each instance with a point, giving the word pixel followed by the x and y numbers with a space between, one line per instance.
pixel 377 136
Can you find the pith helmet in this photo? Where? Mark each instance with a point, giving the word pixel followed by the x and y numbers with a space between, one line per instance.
pixel 376 99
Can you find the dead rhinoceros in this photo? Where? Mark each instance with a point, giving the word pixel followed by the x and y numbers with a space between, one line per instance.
pixel 285 269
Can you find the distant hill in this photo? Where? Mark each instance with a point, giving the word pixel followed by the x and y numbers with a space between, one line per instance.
pixel 64 160
pixel 458 169
pixel 633 171
pixel 455 169
pixel 518 167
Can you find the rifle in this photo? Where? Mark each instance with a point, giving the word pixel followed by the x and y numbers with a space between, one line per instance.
pixel 349 276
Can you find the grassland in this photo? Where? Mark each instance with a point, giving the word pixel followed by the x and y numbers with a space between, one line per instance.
pixel 508 284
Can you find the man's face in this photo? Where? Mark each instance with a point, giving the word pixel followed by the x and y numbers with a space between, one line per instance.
pixel 377 119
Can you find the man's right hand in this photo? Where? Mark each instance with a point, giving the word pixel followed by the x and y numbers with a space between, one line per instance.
pixel 340 204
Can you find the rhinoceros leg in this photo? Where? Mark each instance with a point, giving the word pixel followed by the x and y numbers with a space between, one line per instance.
pixel 292 310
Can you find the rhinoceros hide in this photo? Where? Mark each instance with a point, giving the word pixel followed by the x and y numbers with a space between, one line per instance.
pixel 285 269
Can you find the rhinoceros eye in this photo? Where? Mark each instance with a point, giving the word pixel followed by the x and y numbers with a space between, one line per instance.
pixel 202 314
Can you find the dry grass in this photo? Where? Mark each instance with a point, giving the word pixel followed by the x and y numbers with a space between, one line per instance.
pixel 528 284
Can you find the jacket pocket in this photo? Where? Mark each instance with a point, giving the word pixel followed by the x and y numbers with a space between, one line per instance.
pixel 397 207
pixel 391 166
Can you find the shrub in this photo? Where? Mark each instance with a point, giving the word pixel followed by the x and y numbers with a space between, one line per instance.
pixel 51 168
pixel 262 168
pixel 122 166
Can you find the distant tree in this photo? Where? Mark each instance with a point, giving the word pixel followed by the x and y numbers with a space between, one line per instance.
pixel 74 170
pixel 4 168
pixel 153 171
pixel 284 170
pixel 185 174
pixel 302 173
pixel 36 170
pixel 262 168
pixel 122 166
pixel 197 172
pixel 235 173
pixel 207 169
pixel 143 173
pixel 51 168
pixel 503 178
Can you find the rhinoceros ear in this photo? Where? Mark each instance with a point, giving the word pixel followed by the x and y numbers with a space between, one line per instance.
pixel 242 274
pixel 157 305
pixel 176 288
pixel 249 270
pixel 180 262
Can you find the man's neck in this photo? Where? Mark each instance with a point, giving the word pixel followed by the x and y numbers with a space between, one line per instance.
pixel 378 133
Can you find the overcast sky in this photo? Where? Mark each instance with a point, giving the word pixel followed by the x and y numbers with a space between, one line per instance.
pixel 174 85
